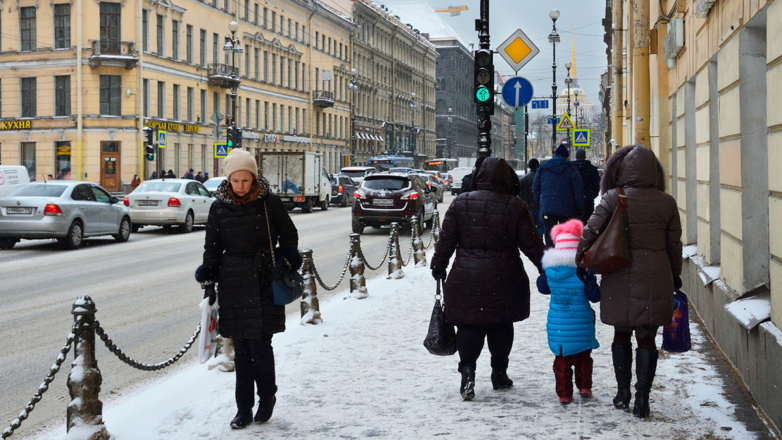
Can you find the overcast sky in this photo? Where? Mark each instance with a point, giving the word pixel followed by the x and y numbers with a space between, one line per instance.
pixel 531 16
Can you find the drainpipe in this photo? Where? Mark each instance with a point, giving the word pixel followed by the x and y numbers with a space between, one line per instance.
pixel 80 175
pixel 142 165
pixel 311 106
pixel 641 107
pixel 618 86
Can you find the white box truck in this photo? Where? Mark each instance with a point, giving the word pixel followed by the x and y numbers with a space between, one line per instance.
pixel 298 178
pixel 467 162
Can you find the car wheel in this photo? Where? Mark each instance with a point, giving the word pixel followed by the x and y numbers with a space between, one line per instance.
pixel 134 228
pixel 324 205
pixel 74 238
pixel 358 228
pixel 344 201
pixel 167 228
pixel 187 226
pixel 421 224
pixel 307 206
pixel 8 243
pixel 442 197
pixel 124 231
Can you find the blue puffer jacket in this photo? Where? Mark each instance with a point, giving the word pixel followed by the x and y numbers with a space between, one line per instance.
pixel 570 325
pixel 558 189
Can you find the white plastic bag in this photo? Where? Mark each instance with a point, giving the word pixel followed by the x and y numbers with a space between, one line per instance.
pixel 207 340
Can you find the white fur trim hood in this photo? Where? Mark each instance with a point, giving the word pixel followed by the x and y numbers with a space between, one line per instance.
pixel 559 257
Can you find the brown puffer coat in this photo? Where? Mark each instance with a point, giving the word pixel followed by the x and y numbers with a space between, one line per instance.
pixel 486 228
pixel 642 293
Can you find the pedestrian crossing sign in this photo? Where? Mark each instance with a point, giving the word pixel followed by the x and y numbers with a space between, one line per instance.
pixel 565 123
pixel 581 137
pixel 221 150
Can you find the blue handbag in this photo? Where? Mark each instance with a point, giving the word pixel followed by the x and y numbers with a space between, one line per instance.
pixel 290 286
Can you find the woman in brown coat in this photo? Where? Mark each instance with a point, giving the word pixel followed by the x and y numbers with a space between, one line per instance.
pixel 487 289
pixel 639 297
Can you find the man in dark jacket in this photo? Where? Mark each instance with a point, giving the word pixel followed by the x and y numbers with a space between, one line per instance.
pixel 467 180
pixel 557 188
pixel 529 197
pixel 590 178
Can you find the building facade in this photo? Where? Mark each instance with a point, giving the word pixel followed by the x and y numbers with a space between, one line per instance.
pixel 457 120
pixel 164 65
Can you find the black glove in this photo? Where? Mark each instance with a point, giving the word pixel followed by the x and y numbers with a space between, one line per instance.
pixel 280 265
pixel 677 282
pixel 206 273
pixel 581 273
pixel 291 255
pixel 209 291
pixel 579 213
pixel 439 275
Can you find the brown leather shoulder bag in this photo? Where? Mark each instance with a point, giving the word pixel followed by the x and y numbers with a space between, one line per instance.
pixel 609 252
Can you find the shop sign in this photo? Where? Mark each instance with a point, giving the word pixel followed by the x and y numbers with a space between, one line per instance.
pixel 271 138
pixel 297 139
pixel 173 126
pixel 17 125
pixel 250 135
pixel 63 150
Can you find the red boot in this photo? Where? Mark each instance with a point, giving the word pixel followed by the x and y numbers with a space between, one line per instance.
pixel 582 363
pixel 563 373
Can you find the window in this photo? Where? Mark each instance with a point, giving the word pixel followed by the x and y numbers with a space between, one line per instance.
pixel 290 113
pixel 257 64
pixel 289 28
pixel 257 114
pixel 317 75
pixel 161 99
pixel 175 107
pixel 265 17
pixel 191 160
pixel 304 120
pixel 340 50
pixel 215 50
pixel 189 44
pixel 110 94
pixel 304 33
pixel 28 97
pixel 189 103
pixel 145 30
pixel 62 152
pixel 317 38
pixel 329 47
pixel 323 42
pixel 246 60
pixel 274 21
pixel 202 54
pixel 265 115
pixel 317 126
pixel 304 76
pixel 160 49
pixel 175 39
pixel 296 75
pixel 265 66
pixel 247 10
pixel 28 158
pixel 203 106
pixel 255 17
pixel 274 117
pixel 62 96
pixel 290 63
pixel 227 5
pixel 227 105
pixel 296 127
pixel 282 118
pixel 297 31
pixel 27 25
pixel 247 112
pixel 274 68
pixel 146 98
pixel 62 26
pixel 282 71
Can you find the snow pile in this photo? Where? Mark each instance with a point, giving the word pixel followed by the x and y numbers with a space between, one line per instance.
pixel 750 311
pixel 364 372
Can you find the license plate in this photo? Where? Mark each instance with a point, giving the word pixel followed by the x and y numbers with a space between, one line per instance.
pixel 18 210
pixel 147 203
pixel 286 199
pixel 384 202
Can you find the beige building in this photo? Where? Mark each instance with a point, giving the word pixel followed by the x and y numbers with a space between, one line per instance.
pixel 164 65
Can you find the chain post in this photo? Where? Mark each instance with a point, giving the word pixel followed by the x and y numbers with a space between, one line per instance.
pixel 394 265
pixel 85 379
pixel 436 226
pixel 310 306
pixel 358 284
pixel 419 256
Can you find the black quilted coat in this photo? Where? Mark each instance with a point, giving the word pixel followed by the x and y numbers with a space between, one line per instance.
pixel 237 247
pixel 486 228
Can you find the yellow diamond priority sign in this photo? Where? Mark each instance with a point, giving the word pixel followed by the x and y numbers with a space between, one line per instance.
pixel 518 50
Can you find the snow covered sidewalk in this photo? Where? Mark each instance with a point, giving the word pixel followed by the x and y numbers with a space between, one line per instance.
pixel 365 373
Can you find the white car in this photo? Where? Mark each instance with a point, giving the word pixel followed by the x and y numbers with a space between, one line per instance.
pixel 166 202
pixel 212 184
pixel 357 173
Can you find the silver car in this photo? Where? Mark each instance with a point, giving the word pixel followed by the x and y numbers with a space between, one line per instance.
pixel 66 210
pixel 166 202
pixel 212 184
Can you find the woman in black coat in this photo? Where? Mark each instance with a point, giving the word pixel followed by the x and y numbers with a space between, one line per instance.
pixel 488 289
pixel 245 223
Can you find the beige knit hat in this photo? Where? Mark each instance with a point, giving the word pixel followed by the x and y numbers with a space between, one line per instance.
pixel 240 160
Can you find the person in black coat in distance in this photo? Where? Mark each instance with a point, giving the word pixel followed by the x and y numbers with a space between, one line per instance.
pixel 487 289
pixel 529 197
pixel 467 180
pixel 245 223
pixel 590 179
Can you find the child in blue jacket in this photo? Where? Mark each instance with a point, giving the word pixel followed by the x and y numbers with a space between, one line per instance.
pixel 570 325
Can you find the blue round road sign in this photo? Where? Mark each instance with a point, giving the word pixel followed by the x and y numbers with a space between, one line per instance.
pixel 517 92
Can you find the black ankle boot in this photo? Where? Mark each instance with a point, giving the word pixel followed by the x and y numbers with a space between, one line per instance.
pixel 623 362
pixel 645 369
pixel 468 382
pixel 500 380
pixel 242 419
pixel 265 409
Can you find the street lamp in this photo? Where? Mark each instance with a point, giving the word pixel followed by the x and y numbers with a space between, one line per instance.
pixel 354 88
pixel 553 38
pixel 233 45
pixel 568 81
pixel 448 136
pixel 576 104
pixel 412 129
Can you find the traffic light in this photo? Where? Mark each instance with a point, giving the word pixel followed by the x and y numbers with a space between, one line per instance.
pixel 484 76
pixel 149 152
pixel 229 135
pixel 237 138
pixel 149 142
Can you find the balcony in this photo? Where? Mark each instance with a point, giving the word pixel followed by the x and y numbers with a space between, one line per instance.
pixel 223 75
pixel 113 54
pixel 323 98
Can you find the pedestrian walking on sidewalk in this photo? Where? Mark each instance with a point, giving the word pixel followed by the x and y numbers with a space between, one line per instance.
pixel 245 223
pixel 557 188
pixel 639 297
pixel 570 325
pixel 590 178
pixel 135 182
pixel 487 289
pixel 528 196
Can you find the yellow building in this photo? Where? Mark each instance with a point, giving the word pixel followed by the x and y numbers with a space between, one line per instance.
pixel 164 65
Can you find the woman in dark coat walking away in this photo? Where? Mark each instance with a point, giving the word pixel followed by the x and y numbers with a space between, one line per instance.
pixel 245 223
pixel 639 297
pixel 488 289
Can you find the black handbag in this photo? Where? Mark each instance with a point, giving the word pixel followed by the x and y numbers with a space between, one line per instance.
pixel 290 286
pixel 441 338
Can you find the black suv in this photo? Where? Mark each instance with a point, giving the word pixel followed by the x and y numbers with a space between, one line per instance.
pixel 386 198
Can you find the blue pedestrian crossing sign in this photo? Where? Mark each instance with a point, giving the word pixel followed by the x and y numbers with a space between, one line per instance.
pixel 162 137
pixel 517 92
pixel 221 150
pixel 581 137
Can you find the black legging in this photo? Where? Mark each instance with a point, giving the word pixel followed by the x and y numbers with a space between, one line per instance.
pixel 469 342
pixel 643 335
pixel 254 366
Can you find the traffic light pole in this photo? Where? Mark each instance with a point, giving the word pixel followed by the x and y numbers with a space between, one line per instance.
pixel 485 107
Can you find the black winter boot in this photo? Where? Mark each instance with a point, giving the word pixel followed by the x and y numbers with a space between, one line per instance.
pixel 242 419
pixel 645 368
pixel 468 382
pixel 500 380
pixel 265 409
pixel 623 362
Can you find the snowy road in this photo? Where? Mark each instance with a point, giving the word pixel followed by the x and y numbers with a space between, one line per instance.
pixel 146 298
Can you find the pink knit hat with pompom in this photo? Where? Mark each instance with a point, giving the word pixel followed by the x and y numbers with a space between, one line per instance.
pixel 567 235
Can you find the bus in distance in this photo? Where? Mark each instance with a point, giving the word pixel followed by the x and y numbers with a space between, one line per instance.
pixel 442 165
pixel 385 163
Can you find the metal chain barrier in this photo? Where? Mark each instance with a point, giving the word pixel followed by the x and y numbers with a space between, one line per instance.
pixel 341 277
pixel 388 249
pixel 8 432
pixel 409 251
pixel 431 239
pixel 112 347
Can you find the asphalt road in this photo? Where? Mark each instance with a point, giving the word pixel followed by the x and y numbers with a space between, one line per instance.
pixel 147 301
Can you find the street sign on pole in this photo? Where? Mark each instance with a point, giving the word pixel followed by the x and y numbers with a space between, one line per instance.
pixel 518 50
pixel 517 92
pixel 550 120
pixel 221 150
pixel 161 138
pixel 565 123
pixel 540 104
pixel 582 137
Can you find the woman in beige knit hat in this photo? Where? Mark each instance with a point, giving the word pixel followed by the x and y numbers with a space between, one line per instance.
pixel 245 223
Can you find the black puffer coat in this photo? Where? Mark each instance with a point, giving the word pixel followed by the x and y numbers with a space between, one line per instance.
pixel 237 247
pixel 486 228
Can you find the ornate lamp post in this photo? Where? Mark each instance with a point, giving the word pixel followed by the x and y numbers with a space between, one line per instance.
pixel 553 38
pixel 233 45
pixel 354 88
pixel 450 121
pixel 576 104
pixel 568 81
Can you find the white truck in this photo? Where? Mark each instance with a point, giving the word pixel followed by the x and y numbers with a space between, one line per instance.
pixel 298 178
pixel 467 162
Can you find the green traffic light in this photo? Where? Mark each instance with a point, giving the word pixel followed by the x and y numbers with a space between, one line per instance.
pixel 230 144
pixel 482 94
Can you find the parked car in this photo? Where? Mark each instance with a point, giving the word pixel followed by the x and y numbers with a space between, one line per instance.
pixel 181 202
pixel 357 173
pixel 386 198
pixel 11 176
pixel 212 184
pixel 447 181
pixel 343 190
pixel 458 174
pixel 64 209
pixel 434 185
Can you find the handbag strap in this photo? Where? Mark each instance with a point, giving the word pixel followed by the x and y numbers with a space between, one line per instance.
pixel 269 230
pixel 622 199
pixel 438 296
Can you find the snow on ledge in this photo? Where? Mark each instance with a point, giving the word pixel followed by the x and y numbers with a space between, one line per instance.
pixel 774 330
pixel 709 274
pixel 750 312
pixel 689 251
